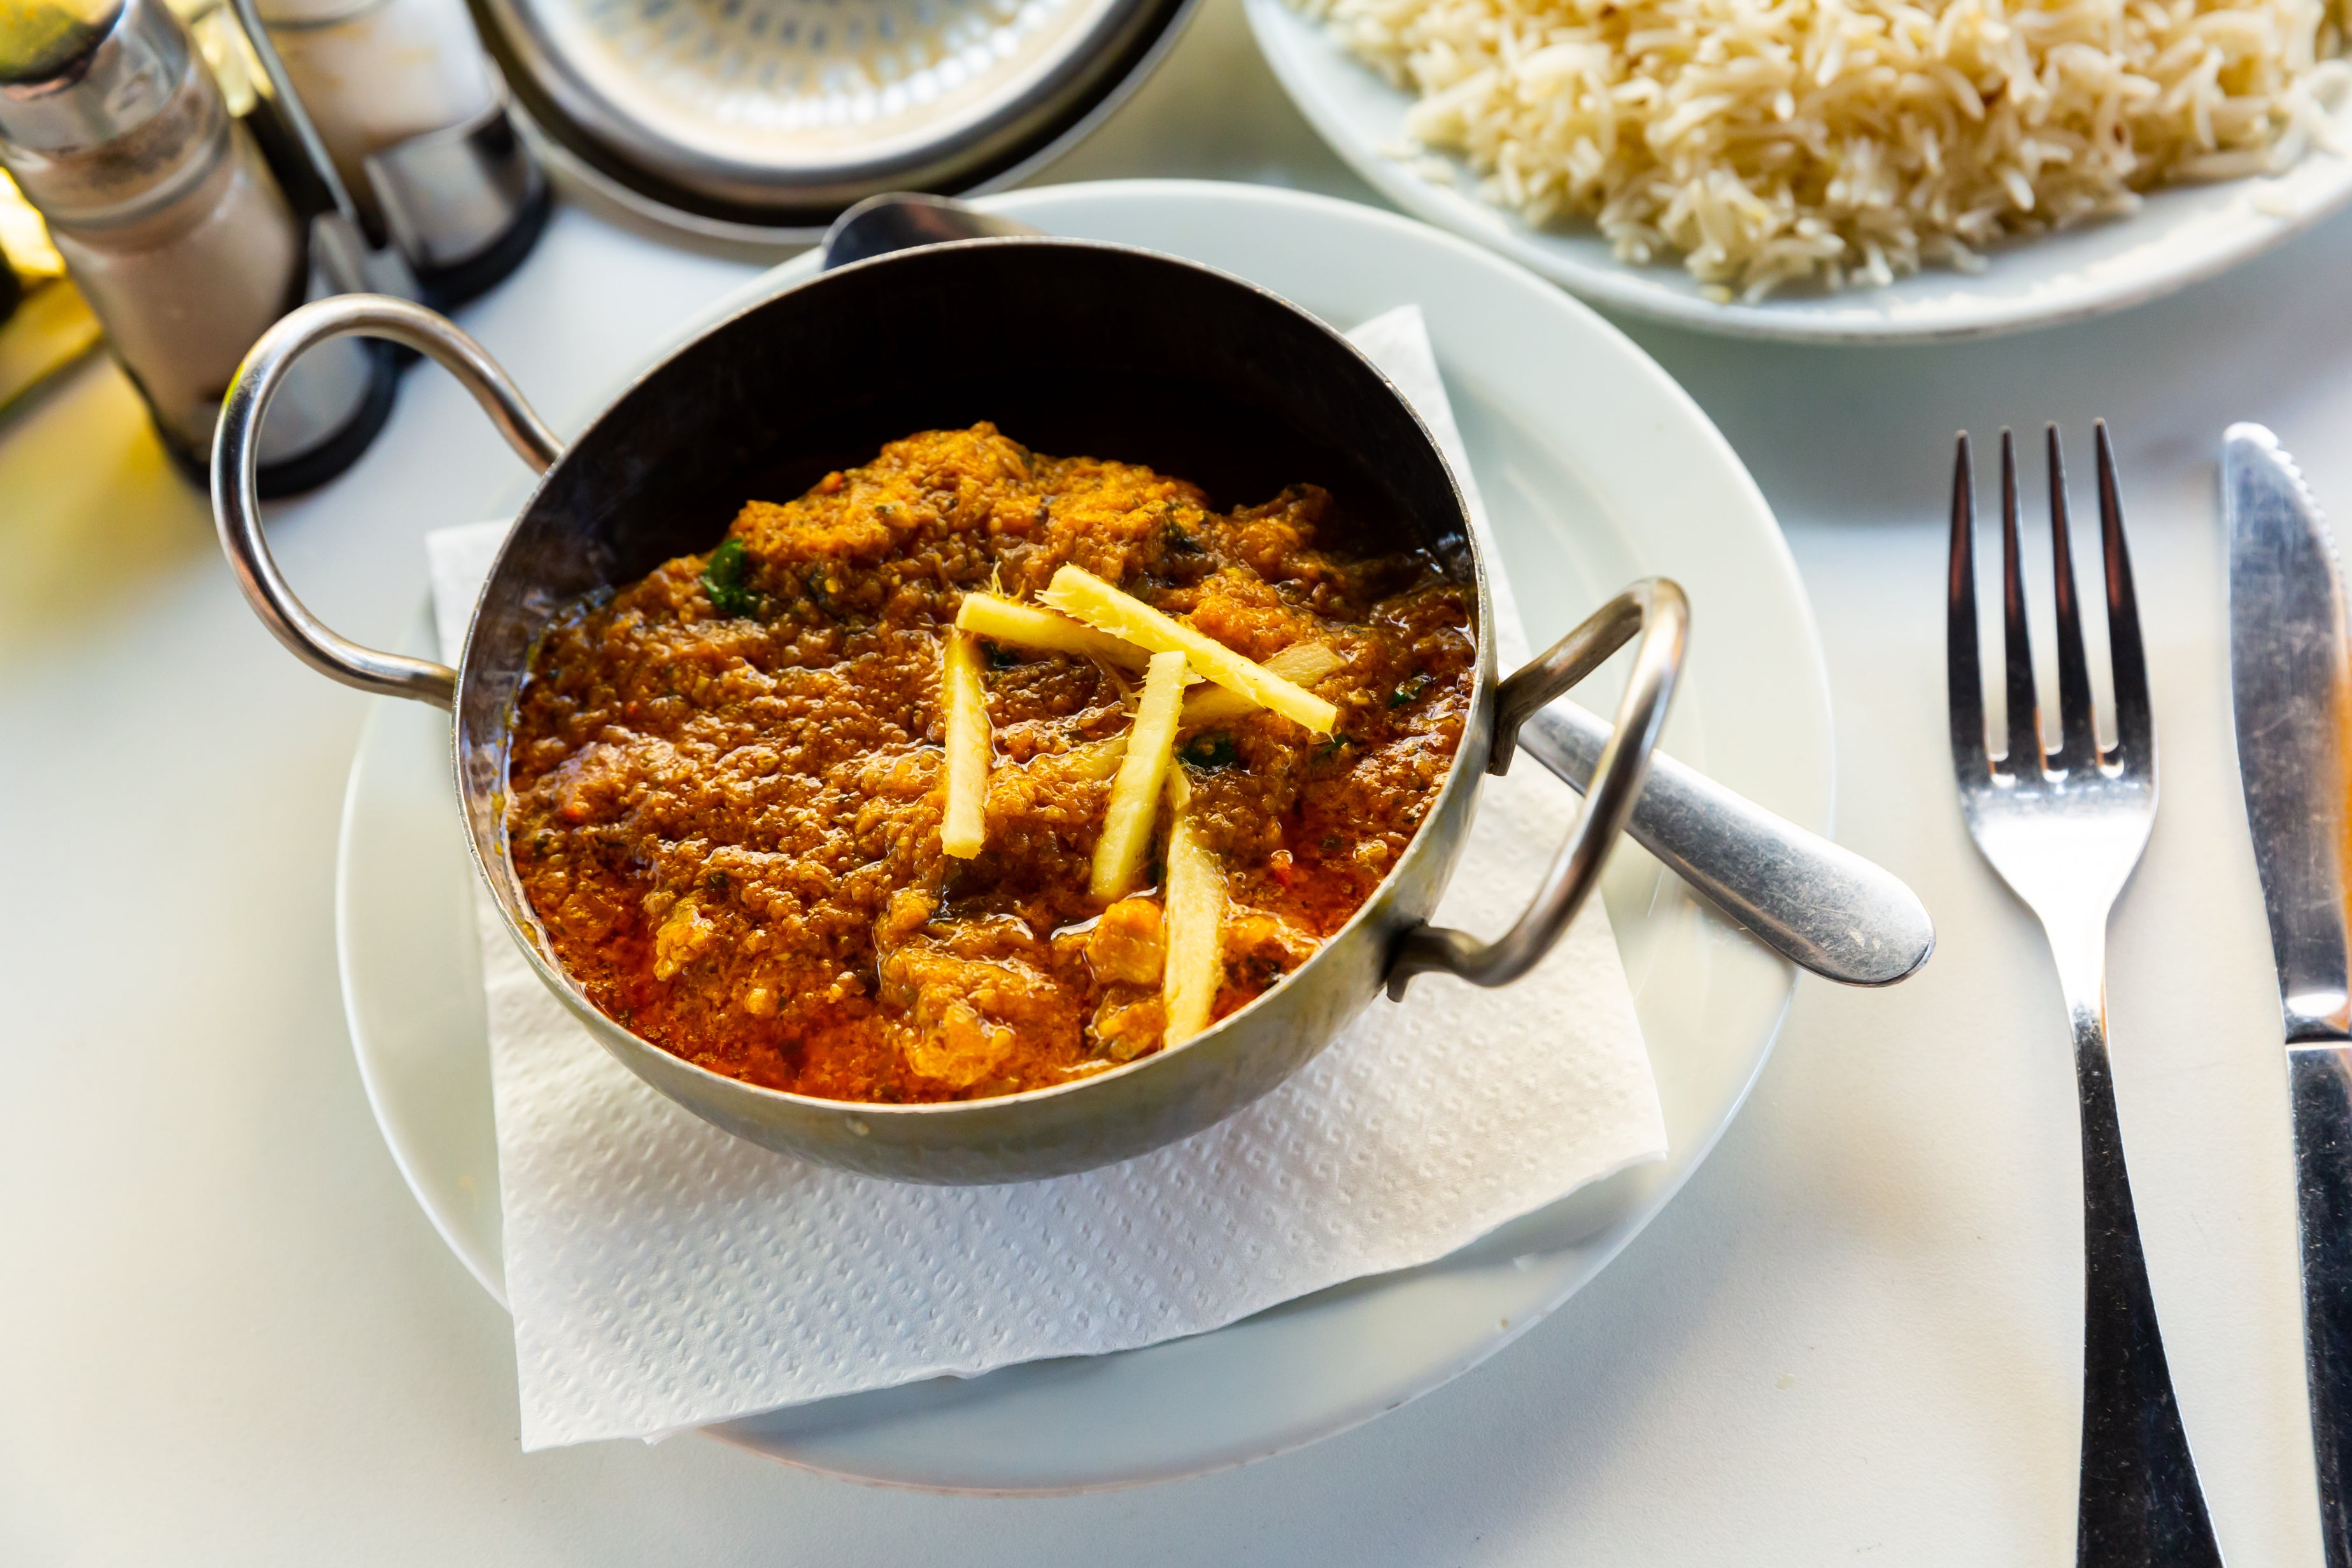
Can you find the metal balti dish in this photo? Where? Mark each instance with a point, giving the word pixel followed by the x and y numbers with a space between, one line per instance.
pixel 1074 348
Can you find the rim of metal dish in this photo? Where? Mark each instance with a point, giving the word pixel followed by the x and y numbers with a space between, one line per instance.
pixel 577 156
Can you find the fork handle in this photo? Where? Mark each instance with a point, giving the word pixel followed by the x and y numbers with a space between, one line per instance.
pixel 2139 1504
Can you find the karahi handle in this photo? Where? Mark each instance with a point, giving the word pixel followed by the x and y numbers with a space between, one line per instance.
pixel 1656 610
pixel 236 504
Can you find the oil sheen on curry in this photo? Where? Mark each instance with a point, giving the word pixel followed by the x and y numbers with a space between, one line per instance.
pixel 974 770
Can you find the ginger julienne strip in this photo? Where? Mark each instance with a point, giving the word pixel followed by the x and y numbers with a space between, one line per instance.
pixel 1193 923
pixel 970 748
pixel 1029 626
pixel 1079 592
pixel 1134 807
pixel 1096 759
pixel 1301 664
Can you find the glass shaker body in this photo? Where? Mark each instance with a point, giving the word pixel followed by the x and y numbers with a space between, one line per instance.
pixel 174 230
pixel 375 73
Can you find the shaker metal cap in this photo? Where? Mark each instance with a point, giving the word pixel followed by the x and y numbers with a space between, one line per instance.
pixel 312 12
pixel 116 73
pixel 763 118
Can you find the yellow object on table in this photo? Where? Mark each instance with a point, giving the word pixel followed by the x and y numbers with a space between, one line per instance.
pixel 23 239
pixel 51 327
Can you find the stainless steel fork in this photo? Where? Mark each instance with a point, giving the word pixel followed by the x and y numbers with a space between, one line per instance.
pixel 2065 829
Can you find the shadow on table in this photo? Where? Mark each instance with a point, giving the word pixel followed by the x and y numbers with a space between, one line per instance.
pixel 92 514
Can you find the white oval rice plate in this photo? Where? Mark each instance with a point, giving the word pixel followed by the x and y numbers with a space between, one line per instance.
pixel 2178 236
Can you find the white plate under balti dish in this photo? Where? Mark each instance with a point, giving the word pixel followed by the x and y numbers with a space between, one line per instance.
pixel 2178 236
pixel 1598 470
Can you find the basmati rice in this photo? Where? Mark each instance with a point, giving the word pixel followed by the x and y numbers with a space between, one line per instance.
pixel 1770 142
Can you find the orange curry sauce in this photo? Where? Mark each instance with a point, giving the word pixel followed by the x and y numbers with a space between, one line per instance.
pixel 726 780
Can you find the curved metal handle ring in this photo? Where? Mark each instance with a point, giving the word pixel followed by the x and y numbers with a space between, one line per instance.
pixel 1656 608
pixel 236 504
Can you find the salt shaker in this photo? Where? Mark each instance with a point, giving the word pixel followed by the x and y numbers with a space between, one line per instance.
pixel 171 224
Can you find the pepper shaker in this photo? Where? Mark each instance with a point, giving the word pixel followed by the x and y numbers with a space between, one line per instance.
pixel 406 106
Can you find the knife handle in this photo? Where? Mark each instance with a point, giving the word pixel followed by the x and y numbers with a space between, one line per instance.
pixel 2320 1082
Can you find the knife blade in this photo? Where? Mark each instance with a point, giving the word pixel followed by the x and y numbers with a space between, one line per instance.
pixel 2291 687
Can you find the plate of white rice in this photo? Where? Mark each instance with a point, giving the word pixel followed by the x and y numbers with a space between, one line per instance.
pixel 1840 170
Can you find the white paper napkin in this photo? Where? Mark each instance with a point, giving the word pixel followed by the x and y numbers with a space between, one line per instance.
pixel 664 1274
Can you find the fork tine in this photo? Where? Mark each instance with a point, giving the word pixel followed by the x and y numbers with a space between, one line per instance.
pixel 2135 723
pixel 2017 645
pixel 1960 668
pixel 2078 742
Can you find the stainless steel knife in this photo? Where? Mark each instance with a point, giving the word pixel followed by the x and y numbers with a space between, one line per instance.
pixel 2291 681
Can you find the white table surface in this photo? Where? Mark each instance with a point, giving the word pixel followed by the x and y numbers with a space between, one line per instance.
pixel 229 1335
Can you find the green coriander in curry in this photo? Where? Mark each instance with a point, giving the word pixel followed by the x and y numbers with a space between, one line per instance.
pixel 729 779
